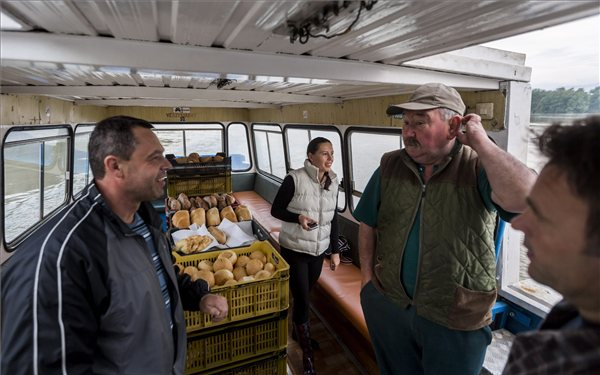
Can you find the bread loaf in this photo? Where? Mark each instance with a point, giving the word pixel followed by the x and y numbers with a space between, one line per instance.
pixel 218 234
pixel 227 213
pixel 243 213
pixel 173 204
pixel 199 216
pixel 221 201
pixel 212 217
pixel 185 201
pixel 181 219
pixel 229 199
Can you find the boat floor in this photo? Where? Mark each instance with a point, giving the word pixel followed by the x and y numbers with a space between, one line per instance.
pixel 332 358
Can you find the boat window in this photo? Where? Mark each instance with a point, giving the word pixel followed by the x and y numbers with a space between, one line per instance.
pixel 183 139
pixel 270 155
pixel 82 173
pixel 516 284
pixel 35 176
pixel 238 147
pixel 366 149
pixel 297 139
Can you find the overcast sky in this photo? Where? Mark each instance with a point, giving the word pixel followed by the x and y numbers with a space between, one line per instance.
pixel 560 56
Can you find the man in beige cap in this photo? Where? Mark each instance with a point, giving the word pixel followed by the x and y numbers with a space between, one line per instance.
pixel 426 237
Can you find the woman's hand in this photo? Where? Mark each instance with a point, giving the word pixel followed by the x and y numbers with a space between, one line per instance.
pixel 304 221
pixel 334 261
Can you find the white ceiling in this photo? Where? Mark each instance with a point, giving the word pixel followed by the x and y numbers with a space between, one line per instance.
pixel 228 53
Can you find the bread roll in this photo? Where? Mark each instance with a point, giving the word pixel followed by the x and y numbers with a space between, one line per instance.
pixel 243 213
pixel 242 261
pixel 193 158
pixel 227 213
pixel 261 275
pixel 185 201
pixel 202 203
pixel 253 266
pixel 270 267
pixel 257 254
pixel 239 273
pixel 207 276
pixel 212 217
pixel 218 234
pixel 205 159
pixel 208 201
pixel 213 200
pixel 221 201
pixel 229 254
pixel 222 264
pixel 221 276
pixel 173 204
pixel 230 282
pixel 205 265
pixel 229 199
pixel 218 158
pixel 181 219
pixel 199 216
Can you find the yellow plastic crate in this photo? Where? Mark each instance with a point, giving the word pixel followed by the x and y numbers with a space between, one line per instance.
pixel 232 344
pixel 198 184
pixel 270 364
pixel 245 300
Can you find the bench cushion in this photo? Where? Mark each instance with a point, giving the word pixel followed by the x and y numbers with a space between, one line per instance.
pixel 261 212
pixel 343 285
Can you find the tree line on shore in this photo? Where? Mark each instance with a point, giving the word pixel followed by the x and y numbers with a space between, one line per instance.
pixel 564 100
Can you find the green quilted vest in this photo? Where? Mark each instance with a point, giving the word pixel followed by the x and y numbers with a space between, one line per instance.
pixel 456 284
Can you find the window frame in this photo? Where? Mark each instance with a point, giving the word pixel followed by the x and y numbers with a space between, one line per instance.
pixel 348 162
pixel 69 137
pixel 342 157
pixel 183 126
pixel 248 144
pixel 285 152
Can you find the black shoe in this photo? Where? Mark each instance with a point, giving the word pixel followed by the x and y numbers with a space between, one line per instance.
pixel 313 343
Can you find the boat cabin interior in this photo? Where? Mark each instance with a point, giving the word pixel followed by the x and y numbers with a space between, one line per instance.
pixel 256 80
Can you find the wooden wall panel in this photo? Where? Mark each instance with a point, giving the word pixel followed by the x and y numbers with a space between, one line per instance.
pixel 35 110
pixel 24 109
pixel 166 114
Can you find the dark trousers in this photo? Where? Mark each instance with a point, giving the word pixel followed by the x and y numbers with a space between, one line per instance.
pixel 305 270
pixel 406 343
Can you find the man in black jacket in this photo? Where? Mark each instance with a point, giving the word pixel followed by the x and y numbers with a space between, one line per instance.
pixel 96 292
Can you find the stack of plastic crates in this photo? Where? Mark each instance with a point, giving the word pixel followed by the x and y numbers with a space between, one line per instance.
pixel 253 337
pixel 196 179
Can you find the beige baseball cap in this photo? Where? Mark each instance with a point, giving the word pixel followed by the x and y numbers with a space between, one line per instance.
pixel 430 96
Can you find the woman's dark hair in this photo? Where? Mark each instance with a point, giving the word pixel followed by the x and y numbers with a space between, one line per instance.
pixel 112 136
pixel 312 148
pixel 574 149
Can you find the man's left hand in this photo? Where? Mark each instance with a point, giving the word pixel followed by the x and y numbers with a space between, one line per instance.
pixel 215 306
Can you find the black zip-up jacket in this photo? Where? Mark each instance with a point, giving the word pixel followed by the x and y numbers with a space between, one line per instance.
pixel 82 296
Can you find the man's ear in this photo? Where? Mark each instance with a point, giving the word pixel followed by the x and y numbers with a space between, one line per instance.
pixel 112 166
pixel 454 126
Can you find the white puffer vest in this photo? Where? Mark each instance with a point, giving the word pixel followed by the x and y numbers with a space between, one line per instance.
pixel 312 200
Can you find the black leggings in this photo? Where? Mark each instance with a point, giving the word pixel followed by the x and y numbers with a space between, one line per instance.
pixel 305 270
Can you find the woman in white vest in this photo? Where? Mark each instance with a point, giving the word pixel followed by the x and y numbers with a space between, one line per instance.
pixel 306 203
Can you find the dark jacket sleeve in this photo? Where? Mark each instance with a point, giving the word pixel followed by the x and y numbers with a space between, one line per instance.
pixel 282 200
pixel 191 292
